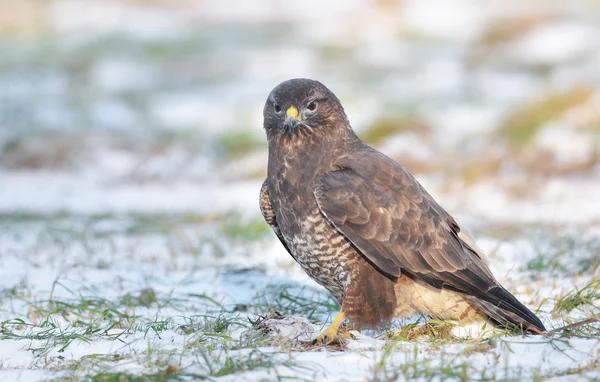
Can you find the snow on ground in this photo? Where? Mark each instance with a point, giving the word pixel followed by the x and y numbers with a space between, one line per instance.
pixel 131 156
pixel 214 294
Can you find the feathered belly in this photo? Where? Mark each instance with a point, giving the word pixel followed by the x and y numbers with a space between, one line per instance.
pixel 324 254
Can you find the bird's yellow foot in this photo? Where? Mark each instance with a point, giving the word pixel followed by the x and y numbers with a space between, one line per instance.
pixel 332 332
pixel 329 335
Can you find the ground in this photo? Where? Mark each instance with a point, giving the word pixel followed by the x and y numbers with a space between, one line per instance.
pixel 200 296
pixel 132 154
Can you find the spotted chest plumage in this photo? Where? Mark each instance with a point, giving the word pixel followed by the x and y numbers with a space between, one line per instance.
pixel 324 254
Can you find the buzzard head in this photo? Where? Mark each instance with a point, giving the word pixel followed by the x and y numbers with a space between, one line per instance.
pixel 301 106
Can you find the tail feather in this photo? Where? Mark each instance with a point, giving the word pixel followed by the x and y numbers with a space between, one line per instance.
pixel 507 310
pixel 493 299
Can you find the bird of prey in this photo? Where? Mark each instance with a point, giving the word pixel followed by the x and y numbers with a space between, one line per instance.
pixel 361 225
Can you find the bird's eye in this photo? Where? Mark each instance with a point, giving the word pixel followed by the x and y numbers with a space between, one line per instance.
pixel 312 106
pixel 277 108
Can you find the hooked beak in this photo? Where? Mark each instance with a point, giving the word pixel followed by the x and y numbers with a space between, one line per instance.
pixel 291 119
pixel 291 122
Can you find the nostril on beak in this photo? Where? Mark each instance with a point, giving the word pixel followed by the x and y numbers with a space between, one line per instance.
pixel 291 121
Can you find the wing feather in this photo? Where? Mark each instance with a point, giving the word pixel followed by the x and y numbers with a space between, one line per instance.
pixel 267 211
pixel 399 227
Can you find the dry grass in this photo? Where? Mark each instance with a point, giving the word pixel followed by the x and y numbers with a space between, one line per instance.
pixel 521 126
pixel 383 128
pixel 480 168
pixel 509 28
pixel 43 151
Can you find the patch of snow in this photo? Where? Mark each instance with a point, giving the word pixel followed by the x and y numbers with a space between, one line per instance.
pixel 27 375
pixel 24 83
pixel 20 191
pixel 15 355
pixel 112 114
pixel 568 145
pixel 562 201
pixel 33 266
pixel 476 330
pixel 459 20
pixel 440 77
pixel 120 74
pixel 182 111
pixel 555 43
pixel 505 87
pixel 283 64
pixel 407 144
pixel 266 10
pixel 455 122
pixel 386 54
pixel 362 342
pixel 291 328
pixel 71 17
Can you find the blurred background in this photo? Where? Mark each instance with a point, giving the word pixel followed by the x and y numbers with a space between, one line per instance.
pixel 156 105
pixel 132 154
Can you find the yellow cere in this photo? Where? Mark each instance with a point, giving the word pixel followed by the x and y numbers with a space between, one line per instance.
pixel 292 112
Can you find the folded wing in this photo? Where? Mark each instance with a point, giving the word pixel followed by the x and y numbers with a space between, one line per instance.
pixel 399 227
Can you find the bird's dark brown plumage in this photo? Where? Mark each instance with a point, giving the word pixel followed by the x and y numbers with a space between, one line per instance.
pixel 361 225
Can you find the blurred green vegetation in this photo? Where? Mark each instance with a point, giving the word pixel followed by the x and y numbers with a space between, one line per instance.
pixel 239 142
pixel 381 129
pixel 522 125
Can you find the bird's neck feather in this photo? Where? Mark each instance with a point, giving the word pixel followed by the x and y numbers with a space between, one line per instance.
pixel 309 154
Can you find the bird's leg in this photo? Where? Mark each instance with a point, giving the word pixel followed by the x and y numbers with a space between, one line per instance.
pixel 329 334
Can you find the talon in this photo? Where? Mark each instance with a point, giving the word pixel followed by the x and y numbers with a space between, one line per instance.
pixel 332 332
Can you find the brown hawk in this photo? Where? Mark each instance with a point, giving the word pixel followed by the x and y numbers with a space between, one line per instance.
pixel 362 226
